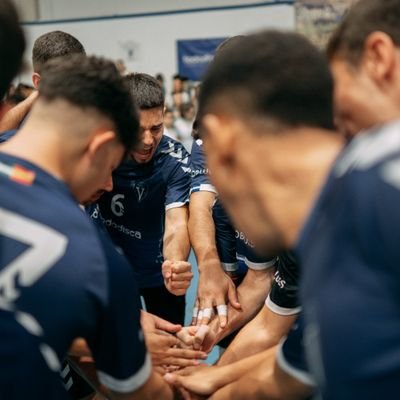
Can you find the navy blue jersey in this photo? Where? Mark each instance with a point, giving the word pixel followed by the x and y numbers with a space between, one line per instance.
pixel 291 356
pixel 23 363
pixel 232 245
pixel 66 279
pixel 134 212
pixel 4 136
pixel 350 254
pixel 284 297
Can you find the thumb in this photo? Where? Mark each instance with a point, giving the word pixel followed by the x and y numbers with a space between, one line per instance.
pixel 233 297
pixel 167 269
pixel 174 380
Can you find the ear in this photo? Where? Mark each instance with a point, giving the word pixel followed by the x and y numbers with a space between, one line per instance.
pixel 36 80
pixel 379 57
pixel 99 143
pixel 219 137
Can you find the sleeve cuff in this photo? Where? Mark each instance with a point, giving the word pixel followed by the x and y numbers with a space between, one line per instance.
pixel 130 384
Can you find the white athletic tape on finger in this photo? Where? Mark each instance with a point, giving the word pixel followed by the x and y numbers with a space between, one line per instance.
pixel 200 315
pixel 207 313
pixel 222 309
pixel 195 312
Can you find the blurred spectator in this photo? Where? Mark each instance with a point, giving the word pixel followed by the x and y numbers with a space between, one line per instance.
pixel 179 94
pixel 169 128
pixel 184 124
pixel 161 81
pixel 121 67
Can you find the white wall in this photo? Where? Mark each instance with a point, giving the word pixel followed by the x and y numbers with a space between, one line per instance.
pixel 64 9
pixel 154 38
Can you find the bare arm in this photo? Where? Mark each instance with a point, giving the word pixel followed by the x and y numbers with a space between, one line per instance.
pixel 261 333
pixel 13 118
pixel 215 287
pixel 176 270
pixel 266 381
pixel 252 293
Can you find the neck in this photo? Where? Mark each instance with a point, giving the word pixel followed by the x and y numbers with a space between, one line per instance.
pixel 293 175
pixel 40 145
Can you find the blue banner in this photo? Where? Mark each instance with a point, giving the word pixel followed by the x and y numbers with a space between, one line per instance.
pixel 194 56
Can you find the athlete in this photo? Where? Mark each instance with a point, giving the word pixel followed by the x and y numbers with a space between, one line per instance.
pixel 46 47
pixel 26 356
pixel 269 142
pixel 54 268
pixel 146 213
pixel 361 204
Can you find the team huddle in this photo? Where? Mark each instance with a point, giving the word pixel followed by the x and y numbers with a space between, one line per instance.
pixel 287 198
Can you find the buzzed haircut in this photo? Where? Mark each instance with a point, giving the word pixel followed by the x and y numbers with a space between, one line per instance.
pixel 362 19
pixel 52 45
pixel 270 74
pixel 12 45
pixel 93 83
pixel 146 90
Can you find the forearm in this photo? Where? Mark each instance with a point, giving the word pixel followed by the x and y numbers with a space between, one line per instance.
pixel 251 293
pixel 263 332
pixel 228 374
pixel 202 234
pixel 176 246
pixel 252 377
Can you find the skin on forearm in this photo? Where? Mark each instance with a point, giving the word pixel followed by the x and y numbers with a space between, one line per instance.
pixel 251 293
pixel 263 332
pixel 265 380
pixel 256 379
pixel 176 244
pixel 202 229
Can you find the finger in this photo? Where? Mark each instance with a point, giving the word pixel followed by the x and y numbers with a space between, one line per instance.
pixel 205 303
pixel 181 362
pixel 183 276
pixel 195 312
pixel 166 340
pixel 222 310
pixel 207 315
pixel 187 354
pixel 233 297
pixel 173 379
pixel 166 269
pixel 181 266
pixel 200 336
pixel 179 284
pixel 199 318
pixel 186 395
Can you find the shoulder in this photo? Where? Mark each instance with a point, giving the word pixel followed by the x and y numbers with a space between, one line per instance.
pixel 172 155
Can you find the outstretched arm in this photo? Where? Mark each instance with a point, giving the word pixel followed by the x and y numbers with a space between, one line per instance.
pixel 215 287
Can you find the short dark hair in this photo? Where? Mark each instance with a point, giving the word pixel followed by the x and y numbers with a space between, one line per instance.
pixel 52 45
pixel 93 82
pixel 12 45
pixel 146 90
pixel 361 20
pixel 275 75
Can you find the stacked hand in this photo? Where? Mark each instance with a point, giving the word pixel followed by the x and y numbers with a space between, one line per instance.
pixel 167 350
pixel 177 276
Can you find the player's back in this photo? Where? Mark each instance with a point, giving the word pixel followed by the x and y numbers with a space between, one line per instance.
pixel 25 373
pixel 51 264
pixel 350 257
